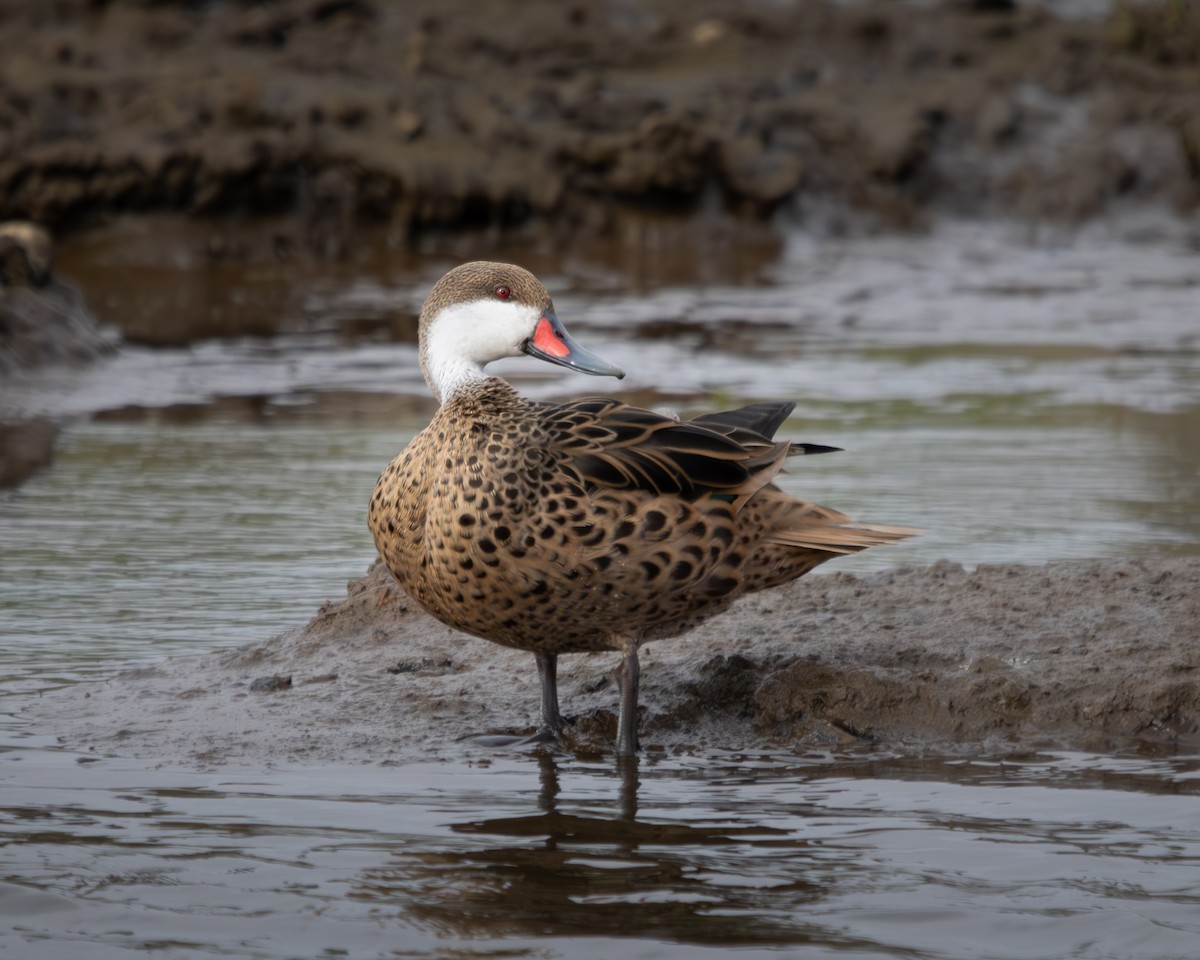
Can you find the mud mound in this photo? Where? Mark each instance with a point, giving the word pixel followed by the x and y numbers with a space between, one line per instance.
pixel 1091 654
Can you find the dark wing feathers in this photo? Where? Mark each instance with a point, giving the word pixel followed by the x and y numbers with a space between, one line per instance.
pixel 759 421
pixel 760 418
pixel 611 444
pixel 728 455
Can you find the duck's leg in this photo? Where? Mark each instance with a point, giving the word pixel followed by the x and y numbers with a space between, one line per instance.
pixel 550 728
pixel 552 722
pixel 627 738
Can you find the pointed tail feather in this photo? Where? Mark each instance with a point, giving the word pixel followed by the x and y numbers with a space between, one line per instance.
pixel 802 449
pixel 842 537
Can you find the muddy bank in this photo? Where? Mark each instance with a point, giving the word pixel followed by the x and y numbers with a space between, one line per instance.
pixel 460 112
pixel 1095 655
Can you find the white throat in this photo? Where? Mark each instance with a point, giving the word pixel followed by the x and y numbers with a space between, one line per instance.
pixel 464 337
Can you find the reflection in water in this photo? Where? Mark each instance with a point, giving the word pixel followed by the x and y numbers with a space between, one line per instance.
pixel 563 874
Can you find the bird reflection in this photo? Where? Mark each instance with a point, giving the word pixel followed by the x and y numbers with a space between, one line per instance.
pixel 580 871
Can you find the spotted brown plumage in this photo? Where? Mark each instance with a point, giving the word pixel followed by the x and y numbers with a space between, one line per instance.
pixel 588 525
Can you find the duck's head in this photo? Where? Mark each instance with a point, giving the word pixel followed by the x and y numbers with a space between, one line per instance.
pixel 483 311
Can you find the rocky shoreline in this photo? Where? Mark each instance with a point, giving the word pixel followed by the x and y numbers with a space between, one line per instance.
pixel 1093 655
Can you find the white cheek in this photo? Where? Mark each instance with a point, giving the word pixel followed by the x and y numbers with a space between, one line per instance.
pixel 482 331
pixel 464 338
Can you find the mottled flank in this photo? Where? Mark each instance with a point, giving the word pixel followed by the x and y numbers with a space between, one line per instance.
pixel 588 525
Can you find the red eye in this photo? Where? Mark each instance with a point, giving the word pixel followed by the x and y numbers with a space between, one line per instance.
pixel 503 293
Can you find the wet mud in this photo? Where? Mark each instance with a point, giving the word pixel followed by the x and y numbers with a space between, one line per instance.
pixel 468 112
pixel 26 446
pixel 1097 655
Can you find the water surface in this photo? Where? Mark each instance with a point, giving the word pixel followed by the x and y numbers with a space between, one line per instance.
pixel 1024 400
pixel 1038 856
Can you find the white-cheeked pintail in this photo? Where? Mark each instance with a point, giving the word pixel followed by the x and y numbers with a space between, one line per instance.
pixel 587 525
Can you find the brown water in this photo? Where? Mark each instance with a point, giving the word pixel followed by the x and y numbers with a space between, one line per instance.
pixel 1025 400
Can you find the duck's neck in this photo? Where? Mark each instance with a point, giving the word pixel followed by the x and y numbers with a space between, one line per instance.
pixel 455 378
pixel 451 376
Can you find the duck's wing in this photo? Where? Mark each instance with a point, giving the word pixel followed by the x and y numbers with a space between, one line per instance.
pixel 612 445
pixel 762 419
pixel 759 421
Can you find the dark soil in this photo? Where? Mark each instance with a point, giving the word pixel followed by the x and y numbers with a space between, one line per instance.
pixel 470 112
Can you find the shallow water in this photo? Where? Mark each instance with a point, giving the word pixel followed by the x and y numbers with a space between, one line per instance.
pixel 1039 856
pixel 147 539
pixel 1025 401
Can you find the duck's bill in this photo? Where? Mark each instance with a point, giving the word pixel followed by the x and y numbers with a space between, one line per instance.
pixel 552 343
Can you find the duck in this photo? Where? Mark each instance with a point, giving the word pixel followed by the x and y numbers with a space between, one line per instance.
pixel 587 525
